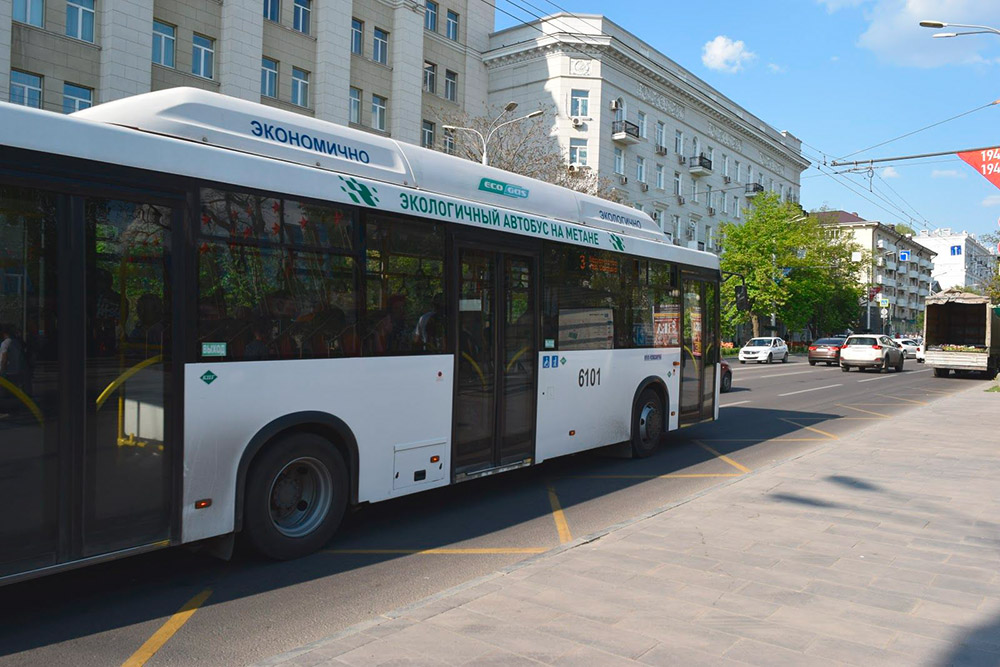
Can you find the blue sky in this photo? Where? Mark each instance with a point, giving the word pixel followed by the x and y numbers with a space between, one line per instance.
pixel 843 75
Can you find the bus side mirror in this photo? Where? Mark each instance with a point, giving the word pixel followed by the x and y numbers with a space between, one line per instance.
pixel 742 302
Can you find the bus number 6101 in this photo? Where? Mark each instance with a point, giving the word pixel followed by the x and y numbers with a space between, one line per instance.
pixel 589 377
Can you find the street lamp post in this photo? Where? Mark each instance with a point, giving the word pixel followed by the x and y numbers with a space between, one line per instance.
pixel 975 29
pixel 493 127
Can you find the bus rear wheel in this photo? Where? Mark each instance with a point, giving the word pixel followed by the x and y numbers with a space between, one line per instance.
pixel 648 423
pixel 296 495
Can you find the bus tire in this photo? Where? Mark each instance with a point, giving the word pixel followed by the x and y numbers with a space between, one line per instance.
pixel 940 372
pixel 648 423
pixel 296 495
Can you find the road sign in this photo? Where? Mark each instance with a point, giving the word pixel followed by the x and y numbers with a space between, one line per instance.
pixel 904 255
pixel 883 303
pixel 884 312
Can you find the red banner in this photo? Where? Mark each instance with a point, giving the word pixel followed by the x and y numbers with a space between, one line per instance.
pixel 986 162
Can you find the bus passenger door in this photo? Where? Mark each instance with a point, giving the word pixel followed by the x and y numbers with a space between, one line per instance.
pixel 494 407
pixel 699 350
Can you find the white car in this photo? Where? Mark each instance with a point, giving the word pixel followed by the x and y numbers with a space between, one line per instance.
pixel 871 351
pixel 764 349
pixel 910 347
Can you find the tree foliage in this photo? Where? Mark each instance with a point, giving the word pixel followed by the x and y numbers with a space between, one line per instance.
pixel 526 147
pixel 793 267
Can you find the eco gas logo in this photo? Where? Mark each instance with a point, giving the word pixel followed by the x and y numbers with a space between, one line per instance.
pixel 359 192
pixel 617 242
pixel 501 188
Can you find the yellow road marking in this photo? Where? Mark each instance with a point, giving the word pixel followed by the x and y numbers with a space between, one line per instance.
pixel 738 466
pixel 667 476
pixel 867 412
pixel 441 551
pixel 908 400
pixel 559 517
pixel 813 429
pixel 936 391
pixel 167 630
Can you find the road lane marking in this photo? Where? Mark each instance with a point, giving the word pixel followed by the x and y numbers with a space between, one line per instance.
pixel 781 375
pixel 803 391
pixel 729 405
pixel 440 551
pixel 867 412
pixel 831 436
pixel 881 377
pixel 559 516
pixel 672 475
pixel 167 630
pixel 908 400
pixel 723 457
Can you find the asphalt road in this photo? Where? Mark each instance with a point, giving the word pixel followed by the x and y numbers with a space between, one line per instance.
pixel 397 552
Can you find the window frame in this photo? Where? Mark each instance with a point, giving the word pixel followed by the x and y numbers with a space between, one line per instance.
pixel 579 102
pixel 265 77
pixel 274 15
pixel 198 56
pixel 379 112
pixel 79 102
pixel 427 132
pixel 302 16
pixel 451 25
pixel 430 15
pixel 300 87
pixel 29 8
pixel 357 36
pixel 26 86
pixel 76 7
pixel 451 85
pixel 577 148
pixel 430 77
pixel 380 46
pixel 163 38
pixel 354 105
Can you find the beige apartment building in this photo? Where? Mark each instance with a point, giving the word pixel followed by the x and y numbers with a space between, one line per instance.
pixel 385 66
pixel 673 146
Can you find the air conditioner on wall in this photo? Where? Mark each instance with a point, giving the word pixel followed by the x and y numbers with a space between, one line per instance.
pixel 681 159
pixel 614 105
pixel 727 180
pixel 644 186
pixel 575 167
pixel 577 121
pixel 680 199
pixel 711 210
pixel 624 179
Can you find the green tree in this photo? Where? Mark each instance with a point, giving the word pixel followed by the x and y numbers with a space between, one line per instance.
pixel 794 268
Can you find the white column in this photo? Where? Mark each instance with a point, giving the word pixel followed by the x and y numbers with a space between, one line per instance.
pixel 406 48
pixel 126 40
pixel 333 59
pixel 478 26
pixel 5 27
pixel 239 49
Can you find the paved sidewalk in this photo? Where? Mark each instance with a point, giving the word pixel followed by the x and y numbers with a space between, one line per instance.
pixel 879 548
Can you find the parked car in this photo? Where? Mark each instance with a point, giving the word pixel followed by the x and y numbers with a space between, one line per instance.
pixel 870 351
pixel 764 349
pixel 909 345
pixel 726 377
pixel 826 350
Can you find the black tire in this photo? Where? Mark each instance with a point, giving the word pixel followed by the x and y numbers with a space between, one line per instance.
pixel 845 368
pixel 292 471
pixel 884 368
pixel 648 423
pixel 770 358
pixel 830 363
pixel 899 366
pixel 727 383
pixel 742 362
pixel 813 363
pixel 784 359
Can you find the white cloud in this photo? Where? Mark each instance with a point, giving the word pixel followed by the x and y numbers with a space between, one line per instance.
pixel 889 172
pixel 947 173
pixel 992 200
pixel 834 5
pixel 726 55
pixel 834 59
pixel 776 68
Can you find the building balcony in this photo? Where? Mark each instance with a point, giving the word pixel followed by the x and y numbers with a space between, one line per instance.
pixel 625 132
pixel 699 165
pixel 887 263
pixel 923 291
pixel 885 281
pixel 753 189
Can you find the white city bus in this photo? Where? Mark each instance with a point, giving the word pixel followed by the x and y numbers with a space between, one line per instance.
pixel 226 318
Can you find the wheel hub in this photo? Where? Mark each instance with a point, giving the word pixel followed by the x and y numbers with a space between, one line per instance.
pixel 300 497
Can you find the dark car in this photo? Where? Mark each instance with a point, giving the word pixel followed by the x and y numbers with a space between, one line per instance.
pixel 826 349
pixel 726 383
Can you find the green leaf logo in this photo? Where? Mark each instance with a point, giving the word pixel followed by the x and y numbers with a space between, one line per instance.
pixel 617 242
pixel 359 192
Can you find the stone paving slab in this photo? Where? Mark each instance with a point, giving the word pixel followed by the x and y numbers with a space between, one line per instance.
pixel 882 548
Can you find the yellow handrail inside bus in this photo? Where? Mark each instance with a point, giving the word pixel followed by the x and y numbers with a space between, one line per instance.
pixel 475 367
pixel 24 398
pixel 124 377
pixel 517 356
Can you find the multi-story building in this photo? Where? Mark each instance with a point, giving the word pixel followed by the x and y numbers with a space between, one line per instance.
pixel 962 261
pixel 386 66
pixel 674 146
pixel 898 275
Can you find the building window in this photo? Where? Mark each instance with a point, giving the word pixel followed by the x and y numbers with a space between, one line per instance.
pixel 661 134
pixel 659 176
pixel 749 173
pixel 378 112
pixel 80 19
pixel 708 195
pixel 678 183
pixel 739 172
pixel 164 41
pixel 76 98
pixel 449 142
pixel 380 47
pixel 272 10
pixel 641 117
pixel 675 224
pixel 956 250
pixel 357 36
pixel 725 202
pixel 578 152
pixel 725 165
pixel 268 77
pixel 26 89
pixel 451 26
pixel 736 207
pixel 579 103
pixel 431 16
pixel 355 105
pixel 711 154
pixel 303 16
pixel 31 12
pixel 678 142
pixel 427 134
pixel 694 191
pixel 203 56
pixel 451 85
pixel 619 161
pixel 300 87
pixel 640 169
pixel 430 77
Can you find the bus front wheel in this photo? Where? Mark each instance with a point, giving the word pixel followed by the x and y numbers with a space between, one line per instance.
pixel 648 423
pixel 296 495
